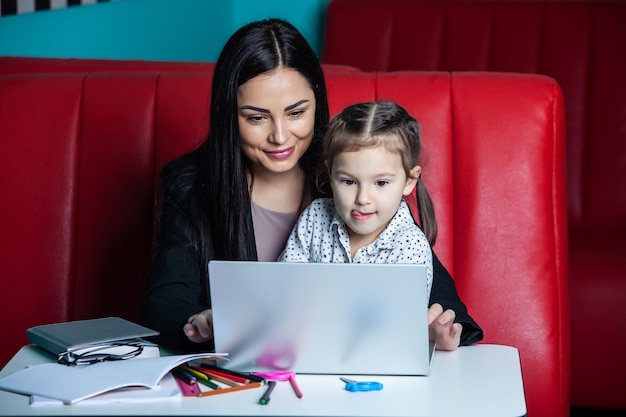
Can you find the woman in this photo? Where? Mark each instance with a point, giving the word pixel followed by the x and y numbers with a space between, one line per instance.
pixel 239 194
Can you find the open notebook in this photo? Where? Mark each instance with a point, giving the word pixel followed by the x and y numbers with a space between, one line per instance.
pixel 321 317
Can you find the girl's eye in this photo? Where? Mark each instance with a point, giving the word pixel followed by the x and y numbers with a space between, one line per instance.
pixel 382 183
pixel 347 181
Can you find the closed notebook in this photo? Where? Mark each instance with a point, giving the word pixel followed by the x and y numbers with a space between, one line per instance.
pixel 72 335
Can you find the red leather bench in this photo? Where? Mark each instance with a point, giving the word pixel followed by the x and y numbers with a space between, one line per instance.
pixel 25 65
pixel 580 43
pixel 80 154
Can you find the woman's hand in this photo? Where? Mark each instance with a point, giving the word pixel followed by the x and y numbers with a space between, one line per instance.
pixel 199 327
pixel 442 329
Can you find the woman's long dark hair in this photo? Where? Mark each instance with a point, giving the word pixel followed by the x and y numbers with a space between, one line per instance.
pixel 218 202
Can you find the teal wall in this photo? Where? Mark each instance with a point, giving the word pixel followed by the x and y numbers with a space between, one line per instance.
pixel 169 30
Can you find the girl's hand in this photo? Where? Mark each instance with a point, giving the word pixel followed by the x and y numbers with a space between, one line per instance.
pixel 442 329
pixel 199 327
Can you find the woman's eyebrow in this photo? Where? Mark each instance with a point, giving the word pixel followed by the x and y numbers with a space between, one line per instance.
pixel 296 104
pixel 256 109
pixel 261 110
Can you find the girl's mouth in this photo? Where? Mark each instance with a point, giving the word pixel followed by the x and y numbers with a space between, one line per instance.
pixel 357 215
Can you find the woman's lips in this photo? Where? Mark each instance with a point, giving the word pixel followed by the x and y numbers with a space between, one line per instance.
pixel 281 154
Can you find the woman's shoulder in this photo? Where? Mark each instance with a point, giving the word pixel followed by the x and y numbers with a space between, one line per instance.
pixel 179 174
pixel 181 166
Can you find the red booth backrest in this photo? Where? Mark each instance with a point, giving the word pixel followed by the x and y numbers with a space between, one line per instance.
pixel 80 156
pixel 579 43
pixel 28 65
pixel 25 65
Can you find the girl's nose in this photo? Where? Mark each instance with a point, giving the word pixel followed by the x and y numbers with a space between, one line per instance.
pixel 362 196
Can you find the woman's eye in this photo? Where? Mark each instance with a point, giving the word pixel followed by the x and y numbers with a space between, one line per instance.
pixel 296 113
pixel 255 119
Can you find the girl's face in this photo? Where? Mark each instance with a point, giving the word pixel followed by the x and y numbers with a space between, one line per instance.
pixel 276 120
pixel 368 185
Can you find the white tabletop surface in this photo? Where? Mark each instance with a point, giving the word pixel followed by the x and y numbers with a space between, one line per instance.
pixel 479 380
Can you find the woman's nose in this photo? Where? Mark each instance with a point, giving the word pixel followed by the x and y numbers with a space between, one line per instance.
pixel 279 134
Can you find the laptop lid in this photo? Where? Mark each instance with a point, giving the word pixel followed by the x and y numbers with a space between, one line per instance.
pixel 321 318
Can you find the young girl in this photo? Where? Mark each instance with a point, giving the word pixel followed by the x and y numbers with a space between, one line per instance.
pixel 372 153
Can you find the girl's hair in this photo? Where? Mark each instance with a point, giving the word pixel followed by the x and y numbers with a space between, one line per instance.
pixel 220 223
pixel 382 123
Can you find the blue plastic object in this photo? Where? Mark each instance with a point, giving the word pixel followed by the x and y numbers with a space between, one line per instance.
pixel 355 386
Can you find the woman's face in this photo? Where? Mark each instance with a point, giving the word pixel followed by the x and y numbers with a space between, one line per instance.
pixel 276 120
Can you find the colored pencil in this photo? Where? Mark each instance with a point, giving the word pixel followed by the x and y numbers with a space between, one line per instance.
pixel 216 377
pixel 232 389
pixel 201 378
pixel 235 376
pixel 294 385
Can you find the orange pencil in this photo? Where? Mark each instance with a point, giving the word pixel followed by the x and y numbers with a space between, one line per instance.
pixel 231 389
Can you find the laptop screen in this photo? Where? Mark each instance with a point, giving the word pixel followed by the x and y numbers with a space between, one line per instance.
pixel 321 318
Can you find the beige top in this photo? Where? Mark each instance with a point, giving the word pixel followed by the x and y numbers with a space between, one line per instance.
pixel 271 230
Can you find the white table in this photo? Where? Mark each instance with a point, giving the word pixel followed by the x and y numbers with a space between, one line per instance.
pixel 479 380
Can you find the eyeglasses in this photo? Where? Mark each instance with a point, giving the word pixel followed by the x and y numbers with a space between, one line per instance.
pixel 115 351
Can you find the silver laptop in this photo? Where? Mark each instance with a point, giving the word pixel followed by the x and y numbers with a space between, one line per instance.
pixel 321 318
